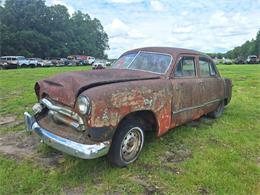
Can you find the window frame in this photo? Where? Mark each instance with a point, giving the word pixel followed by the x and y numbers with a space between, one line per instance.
pixel 184 76
pixel 212 65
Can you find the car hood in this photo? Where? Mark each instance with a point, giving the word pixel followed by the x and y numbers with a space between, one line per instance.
pixel 66 87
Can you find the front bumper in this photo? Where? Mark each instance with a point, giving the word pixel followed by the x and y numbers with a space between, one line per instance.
pixel 65 145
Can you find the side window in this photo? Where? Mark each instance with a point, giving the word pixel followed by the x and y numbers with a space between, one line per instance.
pixel 185 67
pixel 212 69
pixel 8 59
pixel 204 67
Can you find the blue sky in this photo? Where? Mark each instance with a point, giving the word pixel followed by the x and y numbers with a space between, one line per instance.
pixel 204 25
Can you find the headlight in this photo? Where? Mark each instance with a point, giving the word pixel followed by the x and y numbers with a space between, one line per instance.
pixel 84 106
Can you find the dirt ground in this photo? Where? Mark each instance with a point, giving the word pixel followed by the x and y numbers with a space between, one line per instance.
pixel 24 146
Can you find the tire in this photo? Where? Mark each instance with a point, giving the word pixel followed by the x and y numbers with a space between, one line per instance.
pixel 127 143
pixel 218 112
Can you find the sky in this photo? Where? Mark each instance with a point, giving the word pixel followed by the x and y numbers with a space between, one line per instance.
pixel 204 25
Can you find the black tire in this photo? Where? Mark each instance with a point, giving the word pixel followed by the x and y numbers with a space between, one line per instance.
pixel 218 112
pixel 129 132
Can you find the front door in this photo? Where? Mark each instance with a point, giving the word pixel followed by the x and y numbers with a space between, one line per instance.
pixel 186 91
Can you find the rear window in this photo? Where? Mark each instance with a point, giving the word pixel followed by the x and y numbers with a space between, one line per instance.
pixel 204 67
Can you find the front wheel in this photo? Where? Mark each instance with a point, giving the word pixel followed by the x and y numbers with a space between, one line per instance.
pixel 218 112
pixel 127 143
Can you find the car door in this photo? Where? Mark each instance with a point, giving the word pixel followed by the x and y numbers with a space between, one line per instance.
pixel 186 87
pixel 213 85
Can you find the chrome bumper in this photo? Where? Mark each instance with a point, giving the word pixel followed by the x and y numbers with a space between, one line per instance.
pixel 65 145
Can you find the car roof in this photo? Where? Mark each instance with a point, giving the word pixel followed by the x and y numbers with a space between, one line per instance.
pixel 174 51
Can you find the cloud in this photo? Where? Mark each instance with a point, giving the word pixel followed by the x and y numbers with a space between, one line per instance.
pixel 157 5
pixel 207 26
pixel 118 28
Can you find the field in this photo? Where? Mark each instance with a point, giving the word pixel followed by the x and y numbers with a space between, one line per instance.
pixel 204 157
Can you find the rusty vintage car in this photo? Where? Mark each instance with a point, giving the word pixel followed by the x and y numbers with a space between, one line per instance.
pixel 89 114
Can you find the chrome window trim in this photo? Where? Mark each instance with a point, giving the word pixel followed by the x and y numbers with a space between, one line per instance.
pixel 195 107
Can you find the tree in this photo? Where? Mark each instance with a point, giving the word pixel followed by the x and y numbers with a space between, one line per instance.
pixel 30 28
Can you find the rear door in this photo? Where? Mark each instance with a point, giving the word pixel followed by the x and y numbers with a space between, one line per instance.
pixel 186 88
pixel 213 85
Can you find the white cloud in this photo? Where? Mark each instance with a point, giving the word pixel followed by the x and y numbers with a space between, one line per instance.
pixel 207 26
pixel 157 5
pixel 119 28
pixel 116 28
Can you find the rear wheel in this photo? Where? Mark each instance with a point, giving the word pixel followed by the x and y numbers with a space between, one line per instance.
pixel 218 112
pixel 127 143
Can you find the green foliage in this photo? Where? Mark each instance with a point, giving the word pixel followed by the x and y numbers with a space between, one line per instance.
pixel 248 48
pixel 31 28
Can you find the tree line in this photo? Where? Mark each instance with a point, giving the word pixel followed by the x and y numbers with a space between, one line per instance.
pixel 248 48
pixel 33 29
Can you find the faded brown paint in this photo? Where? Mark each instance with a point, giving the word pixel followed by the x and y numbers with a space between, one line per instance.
pixel 115 93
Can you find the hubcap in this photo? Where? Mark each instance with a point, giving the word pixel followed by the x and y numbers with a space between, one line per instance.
pixel 132 144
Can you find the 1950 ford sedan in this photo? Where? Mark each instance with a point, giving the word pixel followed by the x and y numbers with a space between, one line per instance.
pixel 89 114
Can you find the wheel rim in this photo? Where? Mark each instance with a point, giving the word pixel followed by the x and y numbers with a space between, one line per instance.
pixel 132 144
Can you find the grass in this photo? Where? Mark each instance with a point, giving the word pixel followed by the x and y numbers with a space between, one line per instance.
pixel 223 155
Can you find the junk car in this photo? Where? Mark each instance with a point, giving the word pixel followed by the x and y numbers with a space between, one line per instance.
pixel 89 114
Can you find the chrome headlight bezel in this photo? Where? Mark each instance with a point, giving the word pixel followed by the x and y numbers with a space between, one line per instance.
pixel 84 105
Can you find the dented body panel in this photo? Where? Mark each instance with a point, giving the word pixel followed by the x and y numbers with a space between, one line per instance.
pixel 114 94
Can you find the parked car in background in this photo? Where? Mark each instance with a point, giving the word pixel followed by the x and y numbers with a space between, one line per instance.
pixel 21 61
pixel 32 62
pixel 227 61
pixel 89 114
pixel 99 64
pixel 90 60
pixel 239 60
pixel 8 62
pixel 252 59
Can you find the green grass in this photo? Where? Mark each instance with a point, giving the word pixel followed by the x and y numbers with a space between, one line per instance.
pixel 225 155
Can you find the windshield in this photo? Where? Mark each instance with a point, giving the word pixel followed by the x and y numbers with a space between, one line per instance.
pixel 145 61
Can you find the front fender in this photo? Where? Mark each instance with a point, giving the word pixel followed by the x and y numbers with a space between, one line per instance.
pixel 112 102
